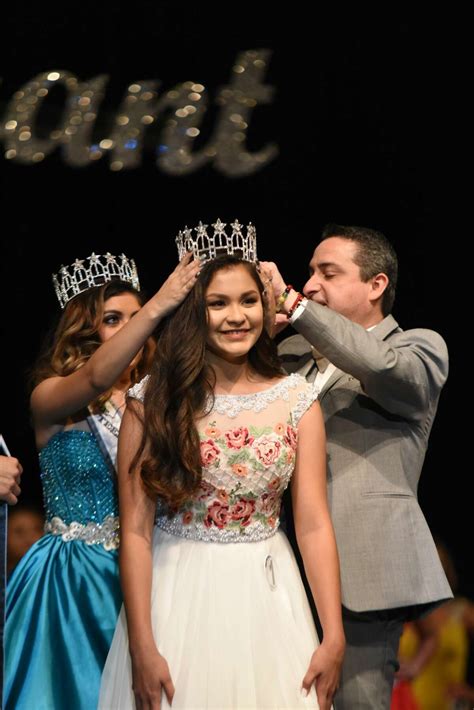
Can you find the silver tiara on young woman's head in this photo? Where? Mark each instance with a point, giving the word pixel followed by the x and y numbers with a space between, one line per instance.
pixel 232 241
pixel 96 270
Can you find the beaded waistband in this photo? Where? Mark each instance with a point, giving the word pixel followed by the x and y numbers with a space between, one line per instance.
pixel 105 533
pixel 200 532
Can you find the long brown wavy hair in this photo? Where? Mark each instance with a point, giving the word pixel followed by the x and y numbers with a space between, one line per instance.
pixel 76 337
pixel 181 388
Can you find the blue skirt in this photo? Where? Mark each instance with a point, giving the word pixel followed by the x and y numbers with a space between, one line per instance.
pixel 63 601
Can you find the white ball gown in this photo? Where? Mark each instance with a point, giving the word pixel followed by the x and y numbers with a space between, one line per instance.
pixel 229 610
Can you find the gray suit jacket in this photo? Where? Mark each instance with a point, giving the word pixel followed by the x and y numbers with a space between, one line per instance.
pixel 378 408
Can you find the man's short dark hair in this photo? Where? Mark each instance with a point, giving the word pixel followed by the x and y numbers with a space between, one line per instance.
pixel 374 255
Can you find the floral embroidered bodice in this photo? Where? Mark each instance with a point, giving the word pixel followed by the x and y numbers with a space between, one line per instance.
pixel 248 451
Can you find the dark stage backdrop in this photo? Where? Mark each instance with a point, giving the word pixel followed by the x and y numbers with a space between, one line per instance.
pixel 339 120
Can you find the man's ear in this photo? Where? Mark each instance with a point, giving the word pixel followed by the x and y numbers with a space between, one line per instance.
pixel 378 285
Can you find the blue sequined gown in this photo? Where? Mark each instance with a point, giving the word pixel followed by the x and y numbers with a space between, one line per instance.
pixel 64 596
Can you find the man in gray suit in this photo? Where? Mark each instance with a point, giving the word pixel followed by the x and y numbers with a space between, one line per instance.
pixel 379 390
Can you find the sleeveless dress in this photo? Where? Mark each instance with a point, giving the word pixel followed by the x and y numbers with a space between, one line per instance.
pixel 447 667
pixel 229 610
pixel 64 596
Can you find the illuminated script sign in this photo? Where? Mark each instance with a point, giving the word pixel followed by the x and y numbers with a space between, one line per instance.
pixel 182 110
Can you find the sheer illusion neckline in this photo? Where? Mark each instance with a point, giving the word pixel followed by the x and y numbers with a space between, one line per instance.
pixel 233 404
pixel 251 394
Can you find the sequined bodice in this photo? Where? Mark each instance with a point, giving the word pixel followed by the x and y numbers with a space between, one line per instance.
pixel 79 490
pixel 248 451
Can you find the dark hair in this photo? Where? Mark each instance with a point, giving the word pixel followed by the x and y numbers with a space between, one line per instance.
pixel 76 336
pixel 374 255
pixel 180 389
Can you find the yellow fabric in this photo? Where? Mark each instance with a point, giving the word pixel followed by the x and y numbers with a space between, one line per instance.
pixel 446 667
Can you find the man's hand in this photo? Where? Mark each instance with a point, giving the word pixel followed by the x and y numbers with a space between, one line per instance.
pixel 10 476
pixel 273 277
pixel 276 279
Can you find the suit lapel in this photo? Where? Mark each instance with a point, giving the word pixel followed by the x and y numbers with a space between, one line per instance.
pixel 334 379
pixel 307 367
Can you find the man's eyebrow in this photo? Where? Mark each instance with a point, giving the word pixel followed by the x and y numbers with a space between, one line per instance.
pixel 328 265
pixel 325 265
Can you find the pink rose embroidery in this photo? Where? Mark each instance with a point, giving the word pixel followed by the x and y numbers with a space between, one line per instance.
pixel 267 449
pixel 270 503
pixel 243 510
pixel 206 490
pixel 209 452
pixel 291 438
pixel 217 514
pixel 275 484
pixel 237 438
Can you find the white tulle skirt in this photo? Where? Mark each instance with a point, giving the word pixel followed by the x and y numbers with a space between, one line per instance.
pixel 231 619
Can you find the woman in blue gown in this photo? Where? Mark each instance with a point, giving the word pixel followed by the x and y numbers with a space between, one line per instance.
pixel 64 596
